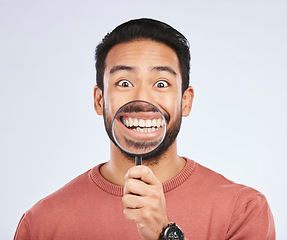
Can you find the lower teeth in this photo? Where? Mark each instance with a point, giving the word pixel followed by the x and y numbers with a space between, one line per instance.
pixel 145 130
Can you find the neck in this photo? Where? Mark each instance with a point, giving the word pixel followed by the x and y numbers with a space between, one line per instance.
pixel 115 170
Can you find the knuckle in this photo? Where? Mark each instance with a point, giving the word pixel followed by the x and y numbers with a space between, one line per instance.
pixel 146 171
pixel 128 182
pixel 124 199
pixel 128 185
pixel 146 215
pixel 126 214
pixel 156 194
pixel 154 204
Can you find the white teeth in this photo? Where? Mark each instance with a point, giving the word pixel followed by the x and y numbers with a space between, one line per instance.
pixel 130 122
pixel 144 130
pixel 159 122
pixel 141 125
pixel 148 123
pixel 136 122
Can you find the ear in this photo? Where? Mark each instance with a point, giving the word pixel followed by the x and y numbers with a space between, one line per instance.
pixel 187 100
pixel 98 100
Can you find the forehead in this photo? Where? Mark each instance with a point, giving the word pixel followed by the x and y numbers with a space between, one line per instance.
pixel 142 54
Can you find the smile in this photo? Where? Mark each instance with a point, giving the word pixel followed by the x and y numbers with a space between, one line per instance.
pixel 143 125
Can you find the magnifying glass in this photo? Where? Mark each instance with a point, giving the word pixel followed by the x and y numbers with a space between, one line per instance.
pixel 138 128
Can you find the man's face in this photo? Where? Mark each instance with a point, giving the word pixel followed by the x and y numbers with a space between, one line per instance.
pixel 144 70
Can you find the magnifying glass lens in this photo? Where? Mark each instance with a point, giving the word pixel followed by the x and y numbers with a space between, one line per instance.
pixel 138 127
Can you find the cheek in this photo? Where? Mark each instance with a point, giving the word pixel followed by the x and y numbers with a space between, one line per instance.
pixel 110 98
pixel 171 103
pixel 109 104
pixel 113 101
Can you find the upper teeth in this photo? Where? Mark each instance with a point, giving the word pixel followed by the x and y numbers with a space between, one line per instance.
pixel 134 122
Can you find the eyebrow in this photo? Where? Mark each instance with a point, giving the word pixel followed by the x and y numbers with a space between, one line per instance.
pixel 120 68
pixel 129 68
pixel 164 68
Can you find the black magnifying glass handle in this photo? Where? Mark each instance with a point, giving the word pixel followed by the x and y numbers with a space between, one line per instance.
pixel 138 160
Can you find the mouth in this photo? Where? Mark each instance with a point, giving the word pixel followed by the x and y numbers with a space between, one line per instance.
pixel 143 125
pixel 139 127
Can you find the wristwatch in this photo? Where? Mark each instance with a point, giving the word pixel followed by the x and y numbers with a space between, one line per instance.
pixel 171 232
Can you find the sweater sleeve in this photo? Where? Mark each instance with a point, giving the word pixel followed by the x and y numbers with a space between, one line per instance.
pixel 22 231
pixel 252 217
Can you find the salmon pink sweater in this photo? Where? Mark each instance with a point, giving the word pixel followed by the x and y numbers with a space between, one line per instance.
pixel 203 203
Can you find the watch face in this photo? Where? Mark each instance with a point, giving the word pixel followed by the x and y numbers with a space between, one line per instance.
pixel 174 233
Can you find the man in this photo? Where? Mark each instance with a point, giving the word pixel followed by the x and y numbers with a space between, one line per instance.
pixel 147 60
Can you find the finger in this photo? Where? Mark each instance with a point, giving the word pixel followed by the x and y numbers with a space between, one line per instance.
pixel 133 214
pixel 136 186
pixel 144 173
pixel 132 201
pixel 142 216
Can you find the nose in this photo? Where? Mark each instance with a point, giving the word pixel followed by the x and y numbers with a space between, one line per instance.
pixel 144 93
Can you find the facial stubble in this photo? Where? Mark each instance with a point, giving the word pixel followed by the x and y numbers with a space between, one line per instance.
pixel 152 157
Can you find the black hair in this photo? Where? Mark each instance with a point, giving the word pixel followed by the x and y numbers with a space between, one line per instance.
pixel 141 29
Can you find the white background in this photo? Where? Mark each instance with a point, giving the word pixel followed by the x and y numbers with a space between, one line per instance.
pixel 49 132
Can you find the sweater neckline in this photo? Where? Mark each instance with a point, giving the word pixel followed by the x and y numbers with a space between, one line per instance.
pixel 117 190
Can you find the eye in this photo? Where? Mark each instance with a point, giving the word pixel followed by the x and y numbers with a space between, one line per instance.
pixel 161 84
pixel 124 83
